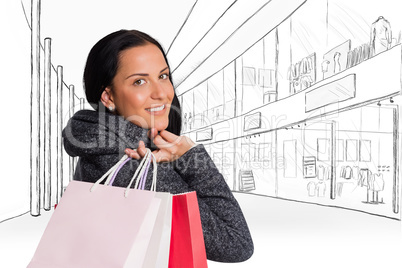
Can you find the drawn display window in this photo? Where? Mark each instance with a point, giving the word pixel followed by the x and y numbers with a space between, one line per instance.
pixel 365 151
pixel 290 157
pixel 265 78
pixel 323 149
pixel 351 150
pixel 248 76
pixel 340 150
pixel 245 152
pixel 265 152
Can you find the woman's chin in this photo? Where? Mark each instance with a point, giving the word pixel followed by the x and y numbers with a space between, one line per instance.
pixel 161 125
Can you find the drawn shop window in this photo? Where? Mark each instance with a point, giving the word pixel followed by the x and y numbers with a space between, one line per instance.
pixel 323 149
pixel 351 150
pixel 253 152
pixel 365 151
pixel 249 76
pixel 265 152
pixel 266 78
pixel 340 150
pixel 245 152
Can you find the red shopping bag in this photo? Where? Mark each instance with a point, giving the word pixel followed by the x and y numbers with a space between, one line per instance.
pixel 187 248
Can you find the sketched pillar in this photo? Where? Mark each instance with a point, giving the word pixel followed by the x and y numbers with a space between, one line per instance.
pixel 82 103
pixel 396 155
pixel 59 145
pixel 333 160
pixel 71 113
pixel 35 109
pixel 47 125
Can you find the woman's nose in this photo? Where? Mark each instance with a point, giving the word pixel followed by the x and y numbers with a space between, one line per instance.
pixel 158 91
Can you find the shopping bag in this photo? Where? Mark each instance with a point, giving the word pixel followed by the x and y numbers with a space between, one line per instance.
pixel 157 254
pixel 96 225
pixel 187 247
pixel 153 249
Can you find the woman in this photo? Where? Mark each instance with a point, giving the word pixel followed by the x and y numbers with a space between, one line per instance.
pixel 127 81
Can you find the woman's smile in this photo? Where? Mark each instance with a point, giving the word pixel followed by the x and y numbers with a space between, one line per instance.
pixel 159 110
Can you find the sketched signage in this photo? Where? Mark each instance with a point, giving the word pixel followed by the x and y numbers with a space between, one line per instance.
pixel 204 135
pixel 337 91
pixel 252 121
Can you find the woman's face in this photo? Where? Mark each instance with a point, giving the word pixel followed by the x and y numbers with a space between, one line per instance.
pixel 142 92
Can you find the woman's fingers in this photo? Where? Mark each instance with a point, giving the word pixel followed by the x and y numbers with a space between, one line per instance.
pixel 169 136
pixel 132 153
pixel 161 142
pixel 141 149
pixel 152 133
pixel 170 146
pixel 137 153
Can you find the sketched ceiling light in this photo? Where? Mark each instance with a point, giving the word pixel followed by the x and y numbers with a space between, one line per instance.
pixel 391 100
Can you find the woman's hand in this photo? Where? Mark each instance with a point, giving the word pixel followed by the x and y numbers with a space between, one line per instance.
pixel 171 146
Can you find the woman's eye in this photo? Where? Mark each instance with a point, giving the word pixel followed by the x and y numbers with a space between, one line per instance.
pixel 139 82
pixel 164 76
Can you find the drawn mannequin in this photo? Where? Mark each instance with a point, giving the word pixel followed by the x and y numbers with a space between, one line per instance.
pixel 381 36
pixel 378 185
pixel 185 122
pixel 337 64
pixel 311 186
pixel 190 118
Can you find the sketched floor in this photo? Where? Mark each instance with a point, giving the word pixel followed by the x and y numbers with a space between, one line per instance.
pixel 286 234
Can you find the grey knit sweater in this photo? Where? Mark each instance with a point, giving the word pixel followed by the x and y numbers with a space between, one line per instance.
pixel 99 140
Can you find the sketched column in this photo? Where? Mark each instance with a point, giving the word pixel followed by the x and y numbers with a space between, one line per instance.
pixel 333 160
pixel 71 113
pixel 59 145
pixel 82 103
pixel 47 125
pixel 396 155
pixel 35 108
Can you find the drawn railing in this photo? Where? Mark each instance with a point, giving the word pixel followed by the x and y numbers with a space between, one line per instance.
pixel 43 140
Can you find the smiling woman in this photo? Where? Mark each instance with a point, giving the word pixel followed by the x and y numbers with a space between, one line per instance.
pixel 127 72
pixel 128 83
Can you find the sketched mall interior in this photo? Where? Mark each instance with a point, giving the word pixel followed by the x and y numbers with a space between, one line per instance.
pixel 310 112
pixel 298 102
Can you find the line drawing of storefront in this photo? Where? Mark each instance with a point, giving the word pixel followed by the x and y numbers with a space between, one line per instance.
pixel 332 139
pixel 335 158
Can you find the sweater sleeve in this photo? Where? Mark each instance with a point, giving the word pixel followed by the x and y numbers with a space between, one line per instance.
pixel 226 234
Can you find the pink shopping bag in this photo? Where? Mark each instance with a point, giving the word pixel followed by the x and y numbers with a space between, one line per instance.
pixel 97 225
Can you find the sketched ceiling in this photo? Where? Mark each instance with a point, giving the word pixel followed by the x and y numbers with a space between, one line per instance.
pixel 211 38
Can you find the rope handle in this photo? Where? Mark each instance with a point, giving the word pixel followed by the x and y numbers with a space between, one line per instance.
pixel 140 174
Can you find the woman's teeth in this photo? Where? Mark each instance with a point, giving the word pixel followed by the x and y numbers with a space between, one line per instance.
pixel 160 108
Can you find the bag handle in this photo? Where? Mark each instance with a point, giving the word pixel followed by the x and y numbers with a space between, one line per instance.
pixel 149 156
pixel 140 174
pixel 113 175
pixel 113 168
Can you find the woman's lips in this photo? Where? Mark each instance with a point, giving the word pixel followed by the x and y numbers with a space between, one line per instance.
pixel 160 110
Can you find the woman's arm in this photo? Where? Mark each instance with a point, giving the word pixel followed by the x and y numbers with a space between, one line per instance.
pixel 226 234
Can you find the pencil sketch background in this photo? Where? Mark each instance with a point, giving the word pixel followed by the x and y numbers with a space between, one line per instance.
pixel 298 111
